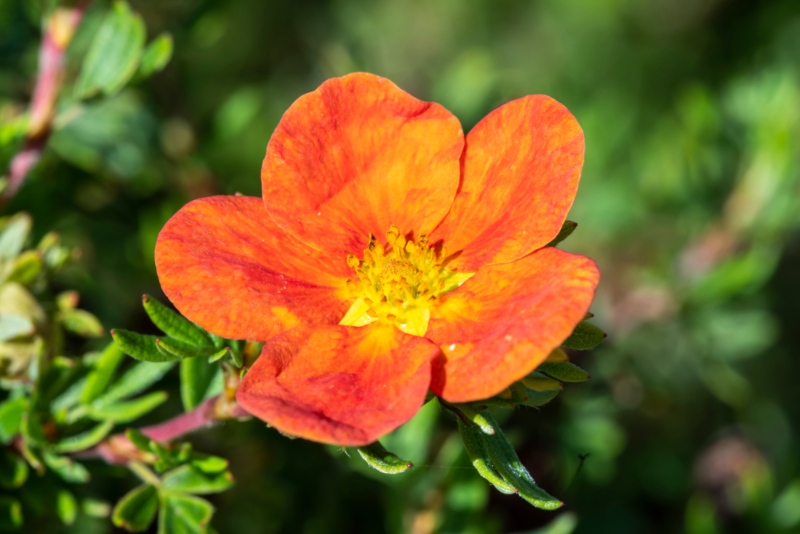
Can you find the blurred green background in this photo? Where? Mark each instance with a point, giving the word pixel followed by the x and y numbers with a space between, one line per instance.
pixel 689 202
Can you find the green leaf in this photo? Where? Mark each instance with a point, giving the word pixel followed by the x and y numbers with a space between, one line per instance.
pixel 10 513
pixel 100 377
pixel 540 398
pixel 81 323
pixel 585 337
pixel 66 507
pixel 377 457
pixel 179 349
pixel 476 450
pixel 114 53
pixel 196 377
pixel 31 428
pixel 140 377
pixel 564 371
pixel 13 235
pixel 506 461
pixel 95 508
pixel 190 479
pixel 137 509
pixel 184 514
pixel 566 230
pixel 67 300
pixel 84 440
pixel 140 346
pixel 156 55
pixel 66 468
pixel 173 324
pixel 208 463
pixel 11 412
pixel 26 268
pixel 470 413
pixel 13 470
pixel 139 440
pixel 12 325
pixel 127 411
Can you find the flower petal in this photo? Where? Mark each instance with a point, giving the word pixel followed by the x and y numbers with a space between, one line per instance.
pixel 505 321
pixel 339 384
pixel 522 164
pixel 227 267
pixel 356 156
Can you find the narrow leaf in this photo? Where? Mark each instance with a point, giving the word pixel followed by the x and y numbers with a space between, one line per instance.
pixel 81 323
pixel 156 55
pixel 196 376
pixel 140 377
pixel 13 235
pixel 66 507
pixel 566 230
pixel 507 463
pixel 139 440
pixel 127 411
pixel 378 458
pixel 476 450
pixel 10 513
pixel 11 412
pixel 137 509
pixel 470 413
pixel 173 324
pixel 140 346
pixel 585 337
pixel 169 346
pixel 13 470
pixel 26 268
pixel 540 398
pixel 189 479
pixel 100 377
pixel 558 355
pixel 564 371
pixel 66 468
pixel 85 440
pixel 537 381
pixel 114 53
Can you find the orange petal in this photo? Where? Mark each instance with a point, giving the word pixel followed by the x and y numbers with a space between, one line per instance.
pixel 226 266
pixel 356 156
pixel 521 168
pixel 505 321
pixel 339 384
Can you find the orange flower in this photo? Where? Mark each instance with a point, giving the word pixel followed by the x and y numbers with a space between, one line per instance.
pixel 389 256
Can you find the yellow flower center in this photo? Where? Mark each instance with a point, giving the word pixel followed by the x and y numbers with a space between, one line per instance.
pixel 399 282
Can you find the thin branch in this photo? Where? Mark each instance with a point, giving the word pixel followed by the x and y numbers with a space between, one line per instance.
pixel 58 32
pixel 118 449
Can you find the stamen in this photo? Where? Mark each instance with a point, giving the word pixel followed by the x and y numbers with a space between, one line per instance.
pixel 400 282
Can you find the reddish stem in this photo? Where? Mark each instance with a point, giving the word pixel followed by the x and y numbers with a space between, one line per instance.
pixel 119 450
pixel 58 32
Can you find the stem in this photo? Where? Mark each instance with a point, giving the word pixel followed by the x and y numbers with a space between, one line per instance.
pixel 58 32
pixel 118 449
pixel 142 471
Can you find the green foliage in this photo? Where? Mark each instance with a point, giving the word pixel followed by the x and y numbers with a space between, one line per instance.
pixel 566 230
pixel 585 337
pixel 495 459
pixel 173 495
pixel 688 202
pixel 378 458
pixel 114 54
